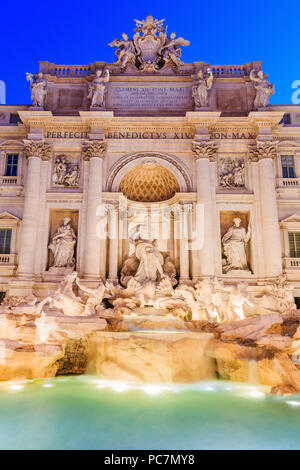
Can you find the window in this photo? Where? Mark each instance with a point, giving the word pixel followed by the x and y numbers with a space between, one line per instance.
pixel 294 244
pixel 5 238
pixel 287 163
pixel 11 164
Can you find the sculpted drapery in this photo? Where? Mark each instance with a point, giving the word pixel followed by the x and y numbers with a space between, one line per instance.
pixel 62 245
pixel 234 244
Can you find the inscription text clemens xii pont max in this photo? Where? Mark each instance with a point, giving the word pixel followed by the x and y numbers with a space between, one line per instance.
pixel 155 97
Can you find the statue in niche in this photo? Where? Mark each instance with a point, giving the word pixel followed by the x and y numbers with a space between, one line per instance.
pixel 65 174
pixel 97 89
pixel 150 259
pixel 234 244
pixel 263 88
pixel 38 89
pixel 125 52
pixel 201 88
pixel 232 173
pixel 62 245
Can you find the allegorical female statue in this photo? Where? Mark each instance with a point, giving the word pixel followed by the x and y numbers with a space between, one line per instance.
pixel 150 259
pixel 38 89
pixel 201 88
pixel 234 243
pixel 97 89
pixel 263 89
pixel 62 245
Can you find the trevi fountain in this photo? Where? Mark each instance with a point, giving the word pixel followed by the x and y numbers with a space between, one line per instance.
pixel 150 267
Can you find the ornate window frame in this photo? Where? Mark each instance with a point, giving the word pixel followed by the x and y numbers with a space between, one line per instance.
pixel 289 224
pixel 8 262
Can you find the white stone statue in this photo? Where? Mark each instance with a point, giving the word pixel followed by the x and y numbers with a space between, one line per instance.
pixel 282 293
pixel 126 51
pixel 203 300
pixel 263 89
pixel 97 89
pixel 65 174
pixel 64 298
pixel 94 299
pixel 171 51
pixel 38 89
pixel 201 88
pixel 232 173
pixel 237 298
pixel 62 245
pixel 150 259
pixel 234 243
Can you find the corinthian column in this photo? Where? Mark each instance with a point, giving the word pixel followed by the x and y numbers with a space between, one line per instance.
pixel 94 151
pixel 263 153
pixel 184 262
pixel 113 240
pixel 35 152
pixel 204 153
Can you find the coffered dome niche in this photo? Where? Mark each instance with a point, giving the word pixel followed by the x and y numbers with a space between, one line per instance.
pixel 149 182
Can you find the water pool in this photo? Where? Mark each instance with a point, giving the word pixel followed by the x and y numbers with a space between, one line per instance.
pixel 86 413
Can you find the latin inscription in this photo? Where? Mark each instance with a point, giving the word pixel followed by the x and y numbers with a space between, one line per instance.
pixel 152 97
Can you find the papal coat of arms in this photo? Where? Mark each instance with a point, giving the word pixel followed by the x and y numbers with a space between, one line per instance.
pixel 151 48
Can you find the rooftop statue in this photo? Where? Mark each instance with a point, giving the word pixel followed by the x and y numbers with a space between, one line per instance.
pixel 97 89
pixel 38 89
pixel 201 88
pixel 151 48
pixel 263 89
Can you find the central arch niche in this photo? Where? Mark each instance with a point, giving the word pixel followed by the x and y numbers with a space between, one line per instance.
pixel 149 182
pixel 175 166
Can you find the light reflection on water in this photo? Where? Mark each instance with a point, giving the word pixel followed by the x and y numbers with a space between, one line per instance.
pixel 86 412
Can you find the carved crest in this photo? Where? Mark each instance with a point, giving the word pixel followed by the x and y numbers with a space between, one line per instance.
pixel 151 48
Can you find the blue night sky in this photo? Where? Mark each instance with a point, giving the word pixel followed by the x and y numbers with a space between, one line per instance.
pixel 75 32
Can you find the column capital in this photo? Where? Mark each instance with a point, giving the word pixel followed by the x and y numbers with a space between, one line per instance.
pixel 94 149
pixel 262 150
pixel 37 149
pixel 205 149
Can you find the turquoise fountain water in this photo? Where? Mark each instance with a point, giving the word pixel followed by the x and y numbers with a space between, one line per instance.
pixel 85 412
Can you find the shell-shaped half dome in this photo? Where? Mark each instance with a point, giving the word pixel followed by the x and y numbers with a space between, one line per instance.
pixel 149 182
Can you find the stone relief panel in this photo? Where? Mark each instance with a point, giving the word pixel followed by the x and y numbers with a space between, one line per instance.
pixel 231 172
pixel 62 241
pixel 65 172
pixel 229 100
pixel 235 238
pixel 70 99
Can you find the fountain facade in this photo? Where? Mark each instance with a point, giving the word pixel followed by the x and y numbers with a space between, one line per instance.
pixel 148 228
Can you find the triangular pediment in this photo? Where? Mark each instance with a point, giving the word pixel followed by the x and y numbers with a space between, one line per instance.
pixel 291 220
pixel 8 216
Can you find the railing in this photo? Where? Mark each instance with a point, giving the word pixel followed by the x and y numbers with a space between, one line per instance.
pixel 65 70
pixel 10 259
pixel 288 182
pixel 292 263
pixel 229 70
pixel 11 180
